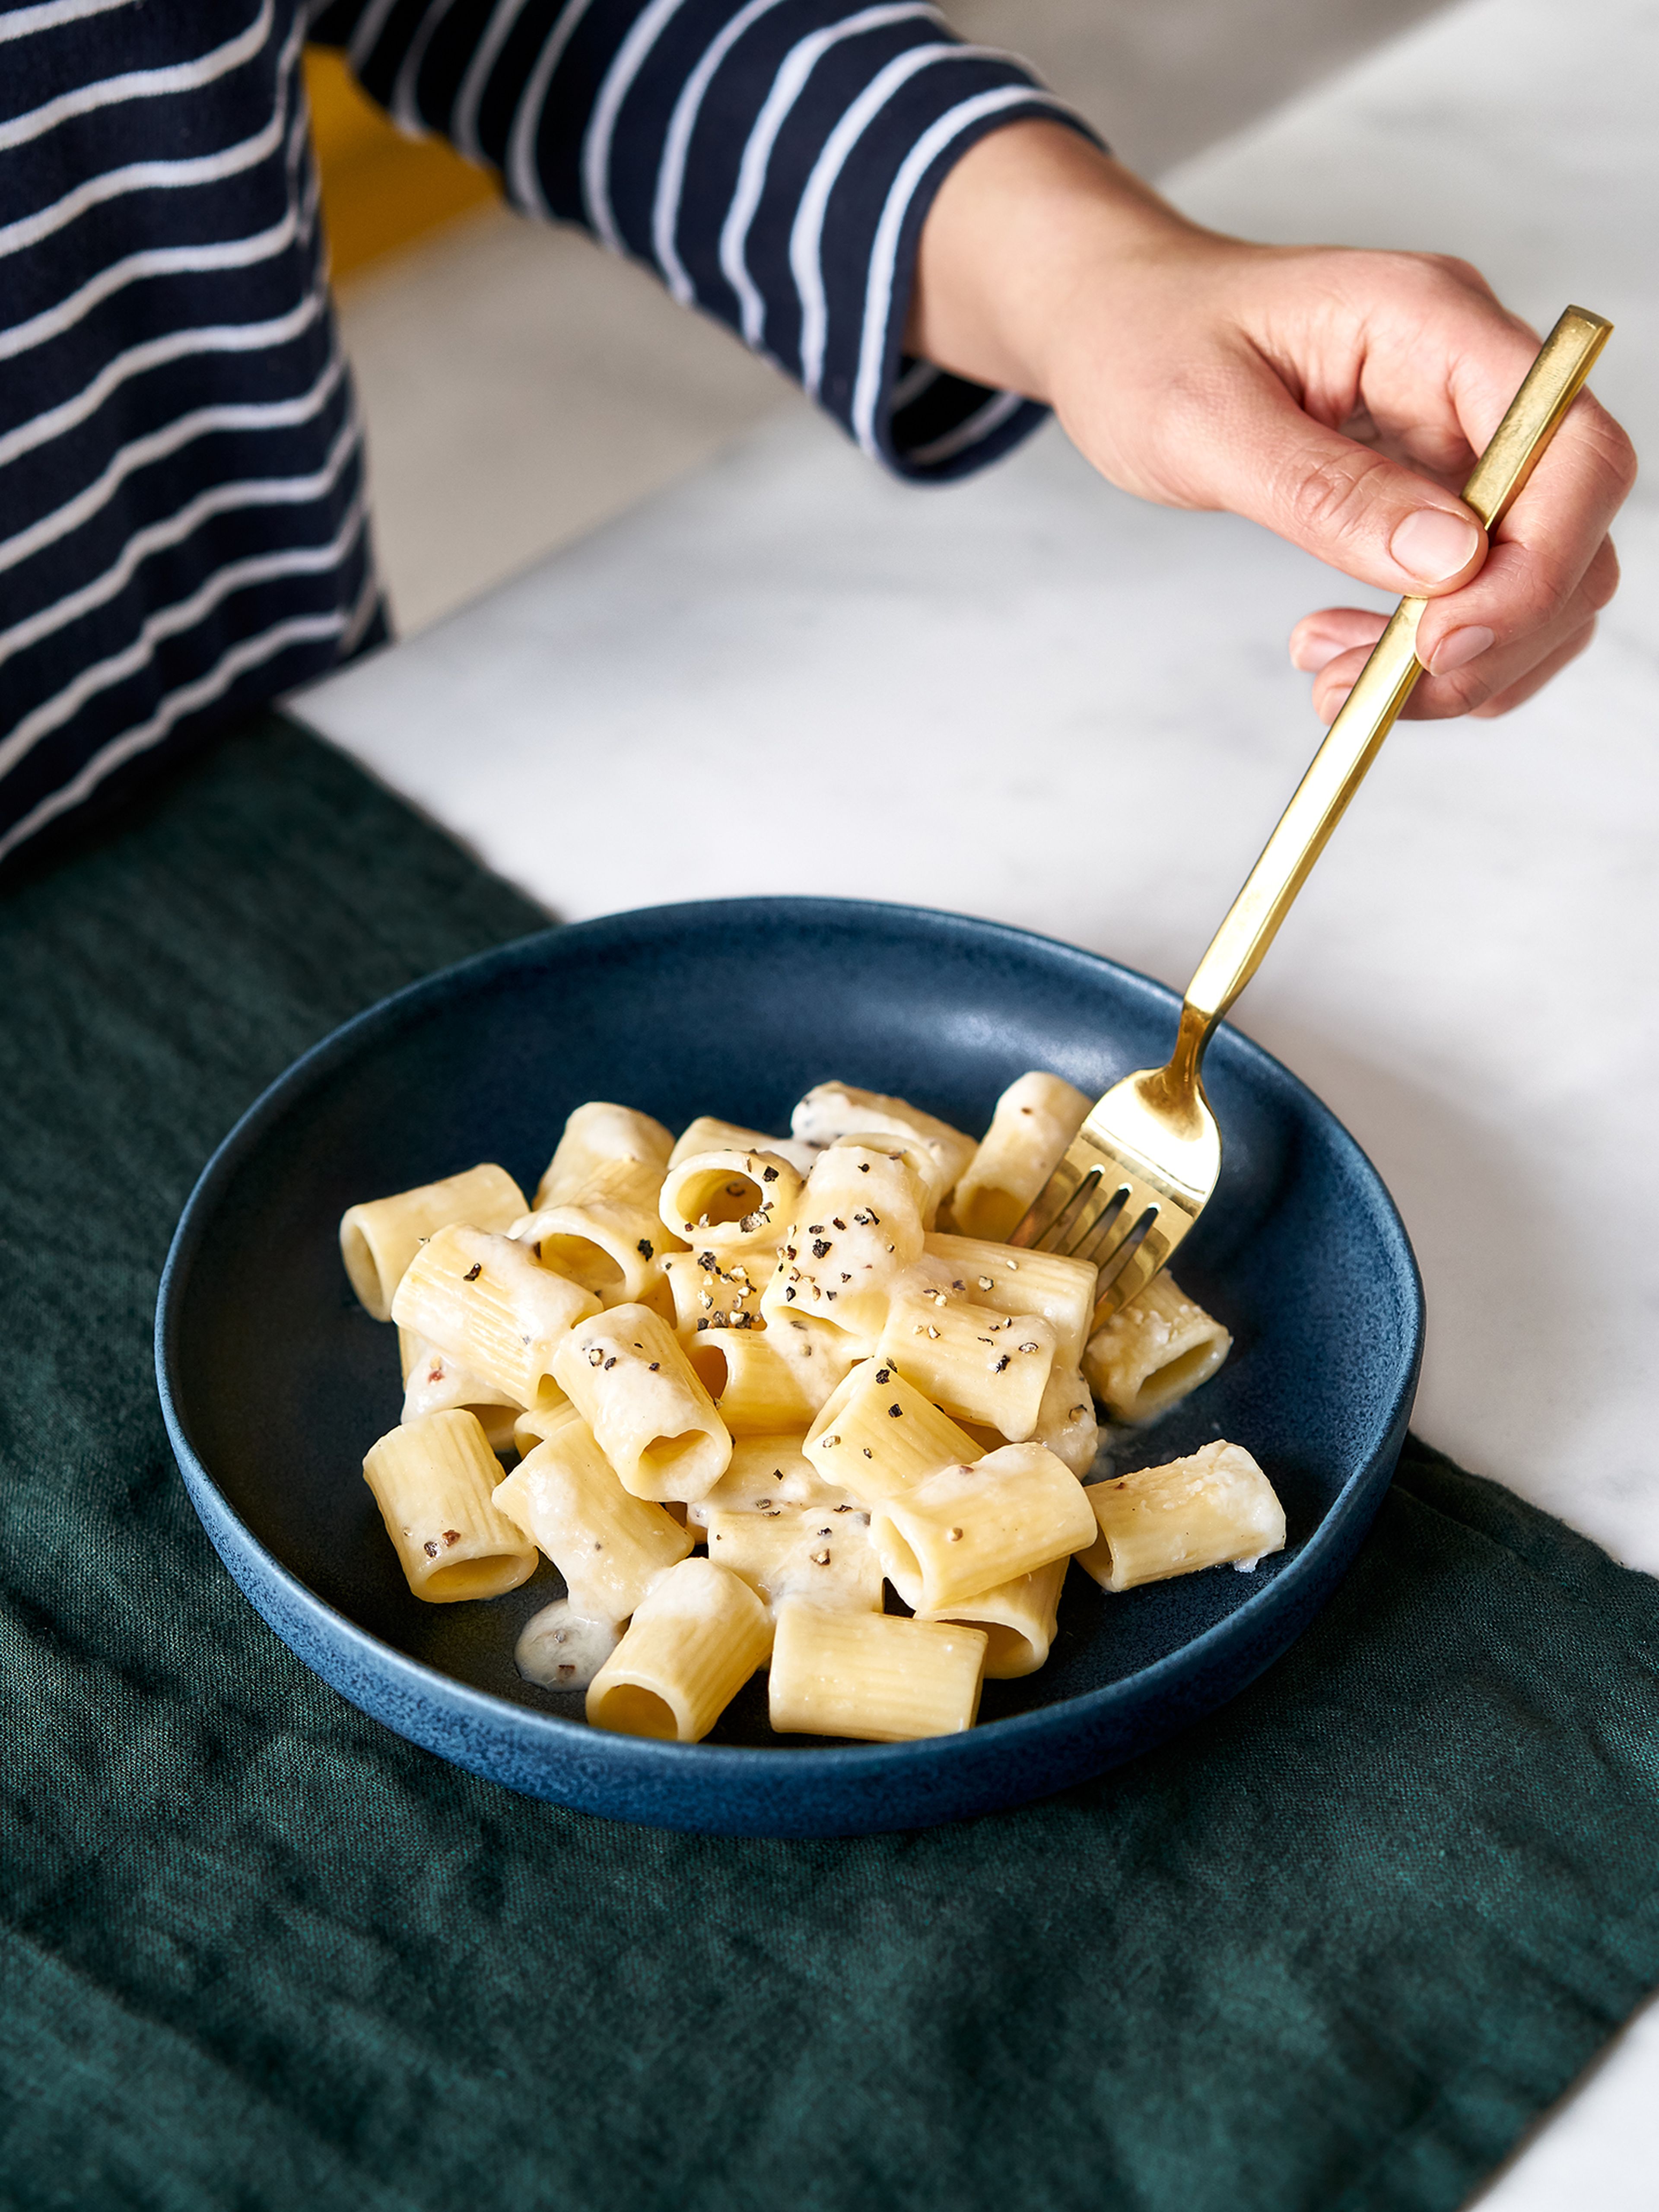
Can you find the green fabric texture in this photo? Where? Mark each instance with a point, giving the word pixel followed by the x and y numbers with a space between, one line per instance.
pixel 1334 1948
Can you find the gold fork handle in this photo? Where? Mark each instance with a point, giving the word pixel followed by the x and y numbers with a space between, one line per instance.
pixel 1355 738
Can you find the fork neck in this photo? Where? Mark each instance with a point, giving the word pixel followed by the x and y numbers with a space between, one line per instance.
pixel 1184 1073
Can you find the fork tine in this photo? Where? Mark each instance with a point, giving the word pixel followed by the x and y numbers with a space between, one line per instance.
pixel 1133 1271
pixel 1057 1207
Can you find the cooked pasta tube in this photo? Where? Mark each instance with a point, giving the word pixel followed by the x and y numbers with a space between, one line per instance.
pixel 537 1423
pixel 766 1474
pixel 711 1289
pixel 487 1302
pixel 971 1527
pixel 707 1133
pixel 1046 1284
pixel 606 1151
pixel 613 1249
pixel 823 1555
pixel 691 1645
pixel 433 1480
pixel 979 1365
pixel 627 1376
pixel 763 1380
pixel 857 1228
pixel 877 1435
pixel 380 1238
pixel 609 1547
pixel 1036 1118
pixel 1019 1619
pixel 873 1675
pixel 1153 1352
pixel 927 1169
pixel 730 1198
pixel 1066 1420
pixel 838 1109
pixel 1214 1508
pixel 435 1383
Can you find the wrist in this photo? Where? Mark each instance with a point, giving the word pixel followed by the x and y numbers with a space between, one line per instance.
pixel 1033 237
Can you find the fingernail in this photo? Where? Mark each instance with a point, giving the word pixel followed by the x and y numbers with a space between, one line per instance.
pixel 1460 646
pixel 1433 544
pixel 1311 654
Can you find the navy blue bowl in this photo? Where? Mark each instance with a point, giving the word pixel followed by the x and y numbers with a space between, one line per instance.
pixel 274 1382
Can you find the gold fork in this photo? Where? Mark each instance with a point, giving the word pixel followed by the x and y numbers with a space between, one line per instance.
pixel 1143 1166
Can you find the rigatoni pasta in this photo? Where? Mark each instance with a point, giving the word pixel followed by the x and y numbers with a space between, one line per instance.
pixel 873 1676
pixel 878 1435
pixel 434 1481
pixel 1035 1119
pixel 491 1305
pixel 969 1527
pixel 857 1228
pixel 629 1378
pixel 1214 1508
pixel 822 1553
pixel 748 1381
pixel 609 1544
pixel 1019 1618
pixel 380 1238
pixel 690 1647
pixel 978 1365
pixel 1154 1352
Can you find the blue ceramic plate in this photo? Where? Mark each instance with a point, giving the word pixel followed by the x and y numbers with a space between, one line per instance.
pixel 274 1382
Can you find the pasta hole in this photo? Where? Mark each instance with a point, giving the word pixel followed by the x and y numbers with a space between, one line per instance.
pixel 583 1262
pixel 993 1213
pixel 711 1367
pixel 469 1578
pixel 627 1709
pixel 1007 1652
pixel 900 1561
pixel 360 1265
pixel 1176 1378
pixel 663 1456
pixel 716 1196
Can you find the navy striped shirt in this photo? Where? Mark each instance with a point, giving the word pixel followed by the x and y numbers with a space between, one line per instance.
pixel 183 530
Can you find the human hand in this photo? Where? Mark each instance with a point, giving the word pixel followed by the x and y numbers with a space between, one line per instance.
pixel 1338 397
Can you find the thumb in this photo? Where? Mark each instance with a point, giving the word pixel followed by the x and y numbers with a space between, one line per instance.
pixel 1348 506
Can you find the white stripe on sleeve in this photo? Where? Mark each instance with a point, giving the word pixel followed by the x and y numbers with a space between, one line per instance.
pixel 806 232
pixel 646 28
pixel 884 252
pixel 677 144
pixel 524 179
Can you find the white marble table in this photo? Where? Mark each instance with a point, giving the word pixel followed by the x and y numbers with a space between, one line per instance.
pixel 1032 666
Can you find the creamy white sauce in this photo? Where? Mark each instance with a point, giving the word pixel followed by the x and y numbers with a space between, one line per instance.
pixel 561 1649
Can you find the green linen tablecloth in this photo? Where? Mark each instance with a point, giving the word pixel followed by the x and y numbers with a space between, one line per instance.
pixel 1334 1948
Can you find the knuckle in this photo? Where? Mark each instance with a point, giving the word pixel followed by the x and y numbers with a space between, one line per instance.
pixel 1601 577
pixel 1332 499
pixel 1615 453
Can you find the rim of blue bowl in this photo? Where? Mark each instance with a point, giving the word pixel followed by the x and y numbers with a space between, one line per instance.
pixel 638 1759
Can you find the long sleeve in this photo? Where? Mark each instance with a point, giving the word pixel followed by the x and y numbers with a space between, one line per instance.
pixel 183 523
pixel 772 160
